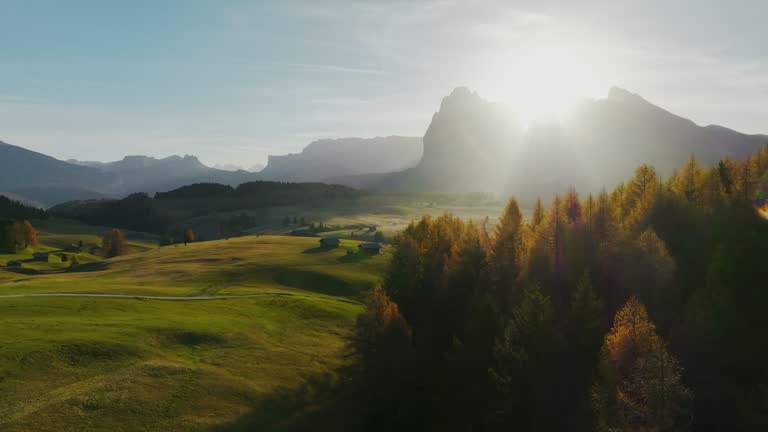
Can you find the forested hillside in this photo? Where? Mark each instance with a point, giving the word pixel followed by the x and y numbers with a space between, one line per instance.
pixel 158 214
pixel 638 309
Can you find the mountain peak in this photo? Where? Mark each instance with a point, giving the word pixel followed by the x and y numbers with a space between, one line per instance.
pixel 618 94
pixel 460 99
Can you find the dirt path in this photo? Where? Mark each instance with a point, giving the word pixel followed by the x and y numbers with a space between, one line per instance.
pixel 144 297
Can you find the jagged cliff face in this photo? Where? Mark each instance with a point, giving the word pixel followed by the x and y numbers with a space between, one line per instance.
pixel 466 146
pixel 473 145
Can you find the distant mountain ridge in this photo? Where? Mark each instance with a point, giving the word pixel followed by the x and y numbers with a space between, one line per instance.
pixel 148 174
pixel 471 145
pixel 38 178
pixel 41 179
pixel 329 158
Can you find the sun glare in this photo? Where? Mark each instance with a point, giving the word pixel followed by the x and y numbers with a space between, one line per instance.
pixel 544 81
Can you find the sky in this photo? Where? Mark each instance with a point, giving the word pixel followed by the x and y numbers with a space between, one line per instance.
pixel 235 81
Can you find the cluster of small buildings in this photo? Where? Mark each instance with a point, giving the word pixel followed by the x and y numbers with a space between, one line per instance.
pixel 371 248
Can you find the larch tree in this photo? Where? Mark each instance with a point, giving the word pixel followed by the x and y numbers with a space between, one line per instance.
pixel 189 236
pixel 113 243
pixel 537 217
pixel 639 386
pixel 508 248
pixel 573 212
pixel 381 342
pixel 29 234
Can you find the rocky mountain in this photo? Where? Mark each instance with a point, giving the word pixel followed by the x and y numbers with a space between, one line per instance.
pixel 330 158
pixel 466 148
pixel 474 145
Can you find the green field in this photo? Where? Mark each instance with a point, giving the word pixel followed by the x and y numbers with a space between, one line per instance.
pixel 132 364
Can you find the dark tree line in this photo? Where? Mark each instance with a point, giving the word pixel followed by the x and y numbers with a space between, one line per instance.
pixel 136 212
pixel 10 209
pixel 261 194
pixel 640 309
pixel 167 210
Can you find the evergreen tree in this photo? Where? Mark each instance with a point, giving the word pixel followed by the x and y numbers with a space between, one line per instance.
pixel 586 313
pixel 725 175
pixel 7 237
pixel 525 357
pixel 585 333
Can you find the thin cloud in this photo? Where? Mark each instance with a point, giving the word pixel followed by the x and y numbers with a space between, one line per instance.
pixel 334 68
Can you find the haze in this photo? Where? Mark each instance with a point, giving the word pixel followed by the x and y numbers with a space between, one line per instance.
pixel 234 82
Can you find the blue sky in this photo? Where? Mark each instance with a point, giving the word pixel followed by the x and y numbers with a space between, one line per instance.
pixel 235 81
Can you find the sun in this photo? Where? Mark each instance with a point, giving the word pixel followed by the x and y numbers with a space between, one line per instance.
pixel 544 81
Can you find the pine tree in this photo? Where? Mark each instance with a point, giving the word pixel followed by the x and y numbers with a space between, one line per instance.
pixel 7 237
pixel 524 363
pixel 726 176
pixel 586 312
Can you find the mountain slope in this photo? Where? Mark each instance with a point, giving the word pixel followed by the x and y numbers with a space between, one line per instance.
pixel 606 138
pixel 330 158
pixel 35 177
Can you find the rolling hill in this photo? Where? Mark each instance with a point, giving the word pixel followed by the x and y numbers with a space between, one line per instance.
pixel 93 363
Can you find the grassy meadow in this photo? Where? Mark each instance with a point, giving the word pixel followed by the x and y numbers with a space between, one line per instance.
pixel 133 364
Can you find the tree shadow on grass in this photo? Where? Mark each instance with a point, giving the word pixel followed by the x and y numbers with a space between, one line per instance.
pixel 354 257
pixel 322 403
pixel 318 249
pixel 90 267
